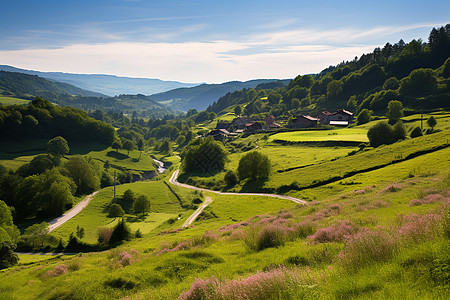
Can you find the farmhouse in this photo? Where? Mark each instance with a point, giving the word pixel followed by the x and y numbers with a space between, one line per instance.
pixel 303 122
pixel 240 122
pixel 218 134
pixel 341 117
pixel 253 127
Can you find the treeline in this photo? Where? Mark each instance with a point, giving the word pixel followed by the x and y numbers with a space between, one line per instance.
pixel 416 73
pixel 41 119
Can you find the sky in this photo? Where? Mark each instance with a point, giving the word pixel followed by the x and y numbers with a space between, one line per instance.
pixel 205 40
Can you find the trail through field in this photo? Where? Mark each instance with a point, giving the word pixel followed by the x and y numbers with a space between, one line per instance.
pixel 173 180
pixel 55 223
pixel 196 213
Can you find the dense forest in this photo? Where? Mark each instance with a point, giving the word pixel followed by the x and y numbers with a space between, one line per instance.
pixel 416 73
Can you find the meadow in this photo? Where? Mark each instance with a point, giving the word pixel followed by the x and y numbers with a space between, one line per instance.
pixel 12 101
pixel 335 135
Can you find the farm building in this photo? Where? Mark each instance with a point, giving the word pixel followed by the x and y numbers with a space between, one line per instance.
pixel 218 134
pixel 303 122
pixel 253 127
pixel 341 117
pixel 240 122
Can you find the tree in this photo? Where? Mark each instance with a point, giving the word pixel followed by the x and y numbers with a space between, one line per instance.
pixel 128 196
pixel 83 174
pixel 120 233
pixel 140 146
pixel 399 131
pixel 7 256
pixel 129 146
pixel 395 111
pixel 363 117
pixel 115 210
pixel 36 233
pixel 381 133
pixel 80 232
pixel 238 110
pixel 295 103
pixel 141 205
pixel 230 178
pixel 58 146
pixel 204 155
pixel 416 132
pixel 334 89
pixel 431 122
pixel 254 165
pixel 116 145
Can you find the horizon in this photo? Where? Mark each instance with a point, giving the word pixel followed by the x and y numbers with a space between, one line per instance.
pixel 203 42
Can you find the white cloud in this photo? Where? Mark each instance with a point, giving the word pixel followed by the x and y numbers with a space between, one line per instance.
pixel 188 62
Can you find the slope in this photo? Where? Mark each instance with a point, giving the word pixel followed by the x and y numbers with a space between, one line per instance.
pixel 107 84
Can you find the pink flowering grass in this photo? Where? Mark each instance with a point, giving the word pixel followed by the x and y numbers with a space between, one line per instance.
pixel 431 198
pixel 278 283
pixel 419 228
pixel 392 188
pixel 57 271
pixel 334 233
pixel 207 238
pixel 366 247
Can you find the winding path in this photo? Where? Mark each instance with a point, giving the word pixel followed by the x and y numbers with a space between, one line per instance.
pixel 208 200
pixel 55 223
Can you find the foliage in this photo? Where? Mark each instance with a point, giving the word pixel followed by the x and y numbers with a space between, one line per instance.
pixel 80 232
pixel 128 196
pixel 7 256
pixel 395 111
pixel 431 121
pixel 381 133
pixel 230 178
pixel 363 116
pixel 120 233
pixel 36 233
pixel 254 165
pixel 204 155
pixel 115 210
pixel 83 174
pixel 141 205
pixel 416 132
pixel 58 146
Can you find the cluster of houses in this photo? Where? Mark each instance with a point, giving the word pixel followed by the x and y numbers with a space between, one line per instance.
pixel 341 117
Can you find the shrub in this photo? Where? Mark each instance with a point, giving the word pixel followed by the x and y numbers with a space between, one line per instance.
pixel 57 271
pixel 419 228
pixel 399 131
pixel 336 232
pixel 392 188
pixel 7 256
pixel 254 165
pixel 104 235
pixel 231 178
pixel 431 198
pixel 366 247
pixel 431 122
pixel 120 233
pixel 115 210
pixel 277 283
pixel 141 205
pixel 138 234
pixel 381 133
pixel 416 132
pixel 364 116
pixel 128 196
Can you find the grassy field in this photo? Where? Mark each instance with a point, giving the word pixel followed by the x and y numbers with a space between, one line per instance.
pixel 12 101
pixel 379 233
pixel 344 134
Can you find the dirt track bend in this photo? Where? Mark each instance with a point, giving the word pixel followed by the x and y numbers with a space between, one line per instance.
pixel 173 180
pixel 55 223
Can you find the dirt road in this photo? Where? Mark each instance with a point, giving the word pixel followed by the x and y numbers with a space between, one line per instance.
pixel 55 223
pixel 196 213
pixel 173 180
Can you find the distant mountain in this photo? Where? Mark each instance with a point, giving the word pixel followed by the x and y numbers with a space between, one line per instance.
pixel 20 84
pixel 107 84
pixel 200 97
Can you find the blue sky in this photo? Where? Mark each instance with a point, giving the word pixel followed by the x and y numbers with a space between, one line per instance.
pixel 205 41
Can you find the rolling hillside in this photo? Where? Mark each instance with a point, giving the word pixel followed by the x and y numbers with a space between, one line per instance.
pixel 107 84
pixel 200 97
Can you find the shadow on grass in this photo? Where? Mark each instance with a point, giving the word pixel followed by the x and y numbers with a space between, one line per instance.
pixel 117 155
pixel 253 186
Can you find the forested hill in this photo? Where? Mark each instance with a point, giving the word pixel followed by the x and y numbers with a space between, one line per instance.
pixel 41 119
pixel 415 73
pixel 201 96
pixel 24 85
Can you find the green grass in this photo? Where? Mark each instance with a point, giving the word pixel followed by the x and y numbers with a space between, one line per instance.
pixel 13 101
pixel 123 160
pixel 343 134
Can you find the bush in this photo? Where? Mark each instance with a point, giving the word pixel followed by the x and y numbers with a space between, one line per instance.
pixel 7 256
pixel 231 178
pixel 254 165
pixel 115 210
pixel 336 232
pixel 399 131
pixel 380 134
pixel 204 155
pixel 104 235
pixel 364 116
pixel 120 233
pixel 416 132
pixel 141 205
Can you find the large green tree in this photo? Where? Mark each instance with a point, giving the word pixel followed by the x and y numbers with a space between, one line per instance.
pixel 58 146
pixel 83 174
pixel 395 111
pixel 254 165
pixel 141 205
pixel 204 155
